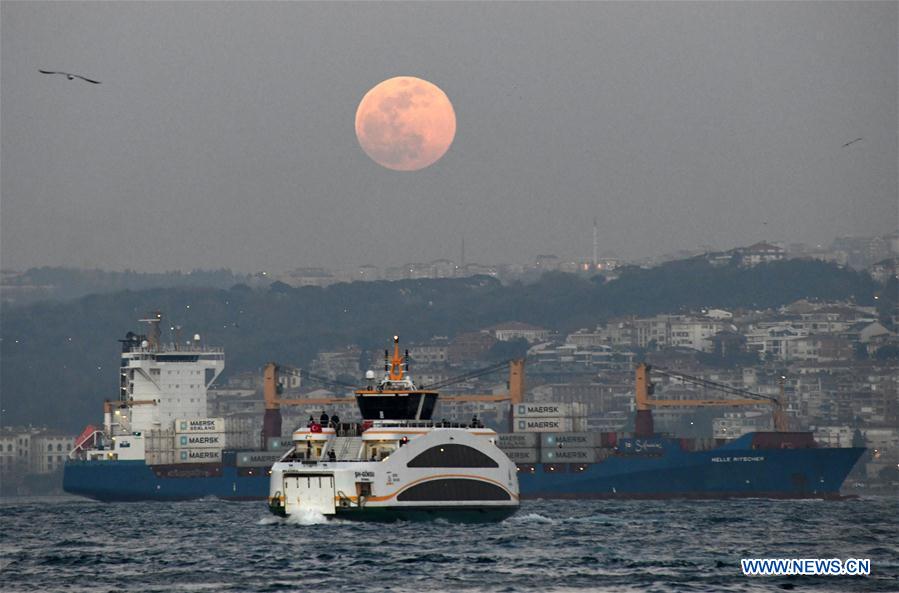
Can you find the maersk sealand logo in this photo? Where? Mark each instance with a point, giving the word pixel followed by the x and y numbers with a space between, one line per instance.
pixel 183 441
pixel 183 425
pixel 183 455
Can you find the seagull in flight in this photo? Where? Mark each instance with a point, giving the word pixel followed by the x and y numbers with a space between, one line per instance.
pixel 853 142
pixel 70 76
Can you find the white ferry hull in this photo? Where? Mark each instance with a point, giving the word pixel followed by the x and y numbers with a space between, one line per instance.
pixel 459 474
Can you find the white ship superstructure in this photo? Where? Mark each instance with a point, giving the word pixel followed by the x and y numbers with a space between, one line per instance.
pixel 162 398
pixel 156 441
pixel 166 382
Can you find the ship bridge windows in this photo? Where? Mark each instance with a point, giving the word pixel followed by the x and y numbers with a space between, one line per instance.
pixel 177 358
pixel 452 455
pixel 453 489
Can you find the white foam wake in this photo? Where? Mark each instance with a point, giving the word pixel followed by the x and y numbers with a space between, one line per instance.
pixel 530 518
pixel 307 517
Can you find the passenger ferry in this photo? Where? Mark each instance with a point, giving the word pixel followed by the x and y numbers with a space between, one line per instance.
pixel 399 464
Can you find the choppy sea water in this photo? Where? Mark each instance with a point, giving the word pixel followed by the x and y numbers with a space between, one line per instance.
pixel 210 545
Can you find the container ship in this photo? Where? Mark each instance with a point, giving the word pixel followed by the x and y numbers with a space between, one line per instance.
pixel 157 443
pixel 645 465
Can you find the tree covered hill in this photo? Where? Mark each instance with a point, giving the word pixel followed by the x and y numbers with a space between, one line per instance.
pixel 60 284
pixel 59 361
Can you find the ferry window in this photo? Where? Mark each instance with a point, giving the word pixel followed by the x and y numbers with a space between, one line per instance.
pixel 453 489
pixel 451 455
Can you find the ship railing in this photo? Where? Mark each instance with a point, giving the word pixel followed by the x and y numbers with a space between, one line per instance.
pixel 348 429
pixel 426 424
pixel 348 460
pixel 172 348
pixel 87 441
pixel 299 456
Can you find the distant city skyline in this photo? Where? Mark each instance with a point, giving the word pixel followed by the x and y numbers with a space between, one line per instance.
pixel 891 246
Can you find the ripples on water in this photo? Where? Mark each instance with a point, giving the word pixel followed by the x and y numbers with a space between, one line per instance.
pixel 210 545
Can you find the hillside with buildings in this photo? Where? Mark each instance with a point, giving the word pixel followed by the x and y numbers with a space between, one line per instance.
pixel 823 333
pixel 876 255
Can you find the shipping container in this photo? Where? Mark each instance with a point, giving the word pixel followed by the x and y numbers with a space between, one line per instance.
pixel 522 455
pixel 278 444
pixel 570 439
pixel 198 456
pixel 517 440
pixel 543 425
pixel 550 410
pixel 200 425
pixel 160 457
pixel 566 455
pixel 160 440
pixel 199 440
pixel 241 440
pixel 258 458
pixel 242 424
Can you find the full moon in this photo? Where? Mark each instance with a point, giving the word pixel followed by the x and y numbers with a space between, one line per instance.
pixel 405 123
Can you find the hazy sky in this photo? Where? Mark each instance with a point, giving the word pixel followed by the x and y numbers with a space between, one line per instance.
pixel 223 133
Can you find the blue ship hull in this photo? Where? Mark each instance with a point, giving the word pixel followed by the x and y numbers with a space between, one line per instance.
pixel 735 470
pixel 110 481
pixel 665 471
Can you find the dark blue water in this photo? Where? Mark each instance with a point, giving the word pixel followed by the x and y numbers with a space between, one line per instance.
pixel 74 545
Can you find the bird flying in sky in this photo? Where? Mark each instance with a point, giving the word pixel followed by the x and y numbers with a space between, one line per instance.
pixel 70 76
pixel 852 142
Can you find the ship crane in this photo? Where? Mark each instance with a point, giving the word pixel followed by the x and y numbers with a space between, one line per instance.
pixel 645 388
pixel 516 384
pixel 272 389
pixel 514 396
